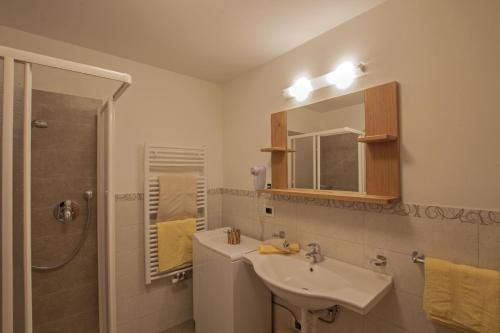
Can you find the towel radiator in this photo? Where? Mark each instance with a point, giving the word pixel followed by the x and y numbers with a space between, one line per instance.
pixel 167 159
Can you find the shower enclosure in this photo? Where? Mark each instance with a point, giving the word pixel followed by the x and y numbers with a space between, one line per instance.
pixel 57 207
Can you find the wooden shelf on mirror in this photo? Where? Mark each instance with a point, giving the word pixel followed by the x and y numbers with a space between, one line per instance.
pixel 333 195
pixel 276 150
pixel 377 138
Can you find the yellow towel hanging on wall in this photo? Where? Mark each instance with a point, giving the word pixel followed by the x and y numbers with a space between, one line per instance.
pixel 463 297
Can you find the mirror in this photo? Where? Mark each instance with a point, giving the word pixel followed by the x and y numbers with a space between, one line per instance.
pixel 323 138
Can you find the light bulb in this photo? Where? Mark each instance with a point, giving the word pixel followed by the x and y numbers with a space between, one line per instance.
pixel 301 89
pixel 343 76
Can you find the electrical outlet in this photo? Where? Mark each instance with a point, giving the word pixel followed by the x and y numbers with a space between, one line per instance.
pixel 269 211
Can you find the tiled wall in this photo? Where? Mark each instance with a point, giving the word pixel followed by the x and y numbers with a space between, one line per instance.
pixel 357 234
pixel 64 163
pixel 161 305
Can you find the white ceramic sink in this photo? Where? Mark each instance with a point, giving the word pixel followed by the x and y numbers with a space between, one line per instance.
pixel 320 286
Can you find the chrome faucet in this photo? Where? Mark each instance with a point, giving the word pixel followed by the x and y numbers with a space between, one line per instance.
pixel 67 211
pixel 314 253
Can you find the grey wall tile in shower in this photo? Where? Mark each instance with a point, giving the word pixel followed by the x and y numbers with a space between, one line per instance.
pixel 64 165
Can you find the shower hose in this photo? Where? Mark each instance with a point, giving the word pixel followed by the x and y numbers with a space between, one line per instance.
pixel 78 247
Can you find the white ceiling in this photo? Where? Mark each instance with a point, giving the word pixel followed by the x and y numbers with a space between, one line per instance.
pixel 215 40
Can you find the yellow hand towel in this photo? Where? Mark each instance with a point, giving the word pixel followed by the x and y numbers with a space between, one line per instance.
pixel 175 243
pixel 278 246
pixel 463 297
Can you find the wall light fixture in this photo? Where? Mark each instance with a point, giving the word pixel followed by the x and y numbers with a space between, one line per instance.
pixel 342 77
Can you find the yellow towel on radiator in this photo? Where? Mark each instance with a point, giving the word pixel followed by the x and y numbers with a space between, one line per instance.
pixel 175 243
pixel 463 297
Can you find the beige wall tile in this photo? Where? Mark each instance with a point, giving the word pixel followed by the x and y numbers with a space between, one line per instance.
pixel 245 207
pixel 403 310
pixel 285 213
pixel 179 303
pixel 334 248
pixel 129 212
pixel 408 276
pixel 131 284
pixel 130 262
pixel 214 218
pixel 489 246
pixel 270 229
pixel 142 305
pixel 130 237
pixel 347 321
pixel 249 227
pixel 282 318
pixel 331 222
pixel 448 240
pixel 374 325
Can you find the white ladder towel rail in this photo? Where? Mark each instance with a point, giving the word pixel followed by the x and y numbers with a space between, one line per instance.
pixel 159 160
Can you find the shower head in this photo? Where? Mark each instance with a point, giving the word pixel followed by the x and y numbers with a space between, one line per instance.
pixel 39 123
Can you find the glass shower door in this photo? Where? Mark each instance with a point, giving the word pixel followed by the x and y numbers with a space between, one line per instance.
pixel 303 162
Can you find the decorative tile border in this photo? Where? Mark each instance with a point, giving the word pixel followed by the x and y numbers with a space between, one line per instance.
pixel 475 216
pixel 214 190
pixel 140 196
pixel 129 196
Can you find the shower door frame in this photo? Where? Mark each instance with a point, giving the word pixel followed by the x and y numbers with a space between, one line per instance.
pixel 317 156
pixel 106 223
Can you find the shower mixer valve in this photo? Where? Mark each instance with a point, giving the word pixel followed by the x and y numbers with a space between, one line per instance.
pixel 66 211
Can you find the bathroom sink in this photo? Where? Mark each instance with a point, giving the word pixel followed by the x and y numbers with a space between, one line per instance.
pixel 322 285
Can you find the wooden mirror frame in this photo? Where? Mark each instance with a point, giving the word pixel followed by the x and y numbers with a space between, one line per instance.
pixel 382 151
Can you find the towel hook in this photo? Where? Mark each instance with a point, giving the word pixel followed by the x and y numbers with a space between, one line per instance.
pixel 417 258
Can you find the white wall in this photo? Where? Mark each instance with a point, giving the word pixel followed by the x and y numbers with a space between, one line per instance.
pixel 445 56
pixel 162 107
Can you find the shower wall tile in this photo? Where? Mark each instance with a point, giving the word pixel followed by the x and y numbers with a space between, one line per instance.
pixel 52 249
pixel 52 163
pixel 58 305
pixel 43 222
pixel 185 327
pixel 55 106
pixel 81 133
pixel 51 190
pixel 84 322
pixel 64 165
pixel 83 271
